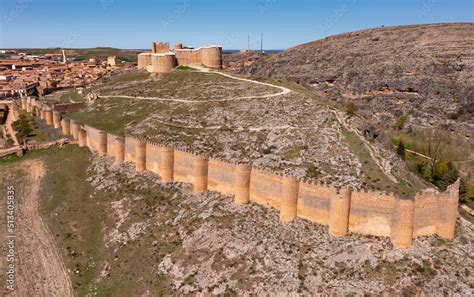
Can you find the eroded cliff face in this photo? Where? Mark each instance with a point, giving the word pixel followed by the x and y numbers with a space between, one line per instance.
pixel 426 71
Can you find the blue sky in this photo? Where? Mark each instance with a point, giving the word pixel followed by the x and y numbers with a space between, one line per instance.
pixel 134 24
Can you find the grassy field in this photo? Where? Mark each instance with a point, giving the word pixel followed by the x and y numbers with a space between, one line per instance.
pixel 116 114
pixel 373 175
pixel 62 190
pixel 292 133
pixel 181 84
pixel 76 213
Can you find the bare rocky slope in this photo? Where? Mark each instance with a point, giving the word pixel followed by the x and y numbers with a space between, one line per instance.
pixel 426 71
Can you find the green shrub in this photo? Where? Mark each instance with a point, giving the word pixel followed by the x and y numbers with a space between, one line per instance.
pixel 185 68
pixel 401 149
pixel 25 125
pixel 351 109
pixel 424 170
pixel 127 59
pixel 401 122
pixel 312 172
pixel 466 193
pixel 444 174
pixel 80 58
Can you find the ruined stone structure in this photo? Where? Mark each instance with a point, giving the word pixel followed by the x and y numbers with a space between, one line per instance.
pixel 112 61
pixel 342 209
pixel 162 59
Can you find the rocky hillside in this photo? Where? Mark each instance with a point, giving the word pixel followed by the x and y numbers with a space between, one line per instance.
pixel 426 71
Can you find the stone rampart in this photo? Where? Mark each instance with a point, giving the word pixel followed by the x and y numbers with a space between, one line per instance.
pixel 314 202
pixel 342 209
pixel 371 213
pixel 130 146
pixel 95 139
pixel 183 166
pixel 69 107
pixel 153 157
pixel 221 177
pixel 265 188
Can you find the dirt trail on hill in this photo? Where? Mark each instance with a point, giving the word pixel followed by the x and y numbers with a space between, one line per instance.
pixel 40 270
pixel 10 130
pixel 283 91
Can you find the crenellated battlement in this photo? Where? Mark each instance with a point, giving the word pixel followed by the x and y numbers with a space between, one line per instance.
pixel 343 209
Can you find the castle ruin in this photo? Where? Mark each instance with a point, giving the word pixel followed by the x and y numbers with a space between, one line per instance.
pixel 162 59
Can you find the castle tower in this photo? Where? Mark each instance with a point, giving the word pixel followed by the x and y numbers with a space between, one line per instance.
pixel 66 126
pixel 163 63
pixel 167 165
pixel 242 183
pixel 49 116
pixel 339 212
pixel 33 106
pixel 178 46
pixel 448 203
pixel 112 61
pixel 200 174
pixel 140 156
pixel 75 129
pixel 28 104
pixel 56 119
pixel 144 60
pixel 82 136
pixel 23 103
pixel 102 145
pixel 119 150
pixel 211 57
pixel 402 223
pixel 289 199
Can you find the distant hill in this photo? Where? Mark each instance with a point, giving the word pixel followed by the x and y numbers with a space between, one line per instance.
pixel 86 53
pixel 426 71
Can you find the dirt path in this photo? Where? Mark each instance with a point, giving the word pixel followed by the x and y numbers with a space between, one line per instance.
pixel 383 163
pixel 40 269
pixel 8 124
pixel 283 91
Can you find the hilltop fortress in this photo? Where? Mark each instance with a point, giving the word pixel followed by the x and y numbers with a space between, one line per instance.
pixel 342 209
pixel 162 59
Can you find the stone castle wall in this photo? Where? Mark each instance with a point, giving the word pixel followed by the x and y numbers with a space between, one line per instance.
pixel 343 210
pixel 221 177
pixel 265 188
pixel 162 60
pixel 69 107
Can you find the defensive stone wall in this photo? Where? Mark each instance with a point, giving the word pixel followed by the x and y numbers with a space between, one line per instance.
pixel 371 213
pixel 183 166
pixel 314 202
pixel 221 177
pixel 265 188
pixel 144 60
pixel 162 63
pixel 342 209
pixel 69 107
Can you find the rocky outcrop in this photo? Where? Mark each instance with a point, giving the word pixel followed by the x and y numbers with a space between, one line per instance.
pixel 426 71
